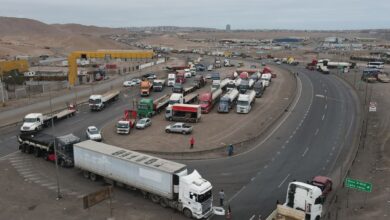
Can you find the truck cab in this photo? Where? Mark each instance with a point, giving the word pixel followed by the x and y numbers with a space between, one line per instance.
pixel 259 89
pixel 95 102
pixel 32 122
pixel 146 86
pixel 145 108
pixel 244 86
pixel 171 79
pixel 266 79
pixel 178 88
pixel 224 104
pixel 305 197
pixel 196 195
pixel 158 85
pixel 199 81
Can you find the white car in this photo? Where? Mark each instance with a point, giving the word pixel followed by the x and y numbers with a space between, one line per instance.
pixel 129 83
pixel 93 133
pixel 137 81
pixel 208 76
pixel 143 123
pixel 210 67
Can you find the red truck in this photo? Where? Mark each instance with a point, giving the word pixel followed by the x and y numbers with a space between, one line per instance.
pixel 208 99
pixel 180 76
pixel 312 66
pixel 324 183
pixel 266 69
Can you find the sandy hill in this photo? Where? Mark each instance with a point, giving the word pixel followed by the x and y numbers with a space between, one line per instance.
pixel 21 36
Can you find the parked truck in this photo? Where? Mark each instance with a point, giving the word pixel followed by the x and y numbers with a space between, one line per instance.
pixel 180 77
pixel 42 145
pixel 183 113
pixel 266 78
pixel 208 99
pixel 158 85
pixel 34 122
pixel 163 181
pixel 245 101
pixel 259 88
pixel 199 81
pixel 171 79
pixel 227 101
pixel 148 107
pixel 99 102
pixel 219 84
pixel 245 85
pixel 127 122
pixel 145 87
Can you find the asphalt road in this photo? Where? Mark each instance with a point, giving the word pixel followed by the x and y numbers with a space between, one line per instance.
pixel 306 142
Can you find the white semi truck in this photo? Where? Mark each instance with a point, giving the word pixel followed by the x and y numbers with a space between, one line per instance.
pixel 98 102
pixel 245 101
pixel 34 122
pixel 166 182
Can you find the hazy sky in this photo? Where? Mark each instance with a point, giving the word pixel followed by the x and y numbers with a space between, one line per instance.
pixel 241 14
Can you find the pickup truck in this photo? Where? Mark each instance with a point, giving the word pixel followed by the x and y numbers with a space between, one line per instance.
pixel 179 128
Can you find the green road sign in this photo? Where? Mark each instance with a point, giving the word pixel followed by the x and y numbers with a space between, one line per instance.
pixel 357 184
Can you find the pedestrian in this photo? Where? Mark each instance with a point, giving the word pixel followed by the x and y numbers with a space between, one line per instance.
pixel 192 142
pixel 230 150
pixel 221 197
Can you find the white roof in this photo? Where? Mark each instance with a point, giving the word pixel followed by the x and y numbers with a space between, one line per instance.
pixel 132 156
pixel 196 180
pixel 95 97
pixel 33 115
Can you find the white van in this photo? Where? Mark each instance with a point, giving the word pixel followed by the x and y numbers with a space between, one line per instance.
pixel 171 79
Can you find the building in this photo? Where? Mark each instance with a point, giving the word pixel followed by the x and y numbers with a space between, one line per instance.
pixel 228 27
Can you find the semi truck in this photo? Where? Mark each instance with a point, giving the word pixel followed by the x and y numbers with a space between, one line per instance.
pixel 158 85
pixel 99 102
pixel 34 122
pixel 227 101
pixel 199 81
pixel 165 182
pixel 180 77
pixel 208 99
pixel 259 88
pixel 145 87
pixel 184 113
pixel 171 79
pixel 219 84
pixel 127 122
pixel 42 145
pixel 245 85
pixel 266 78
pixel 147 107
pixel 245 101
pixel 303 202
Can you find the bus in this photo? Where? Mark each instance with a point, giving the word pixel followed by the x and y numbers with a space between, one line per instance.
pixel 376 64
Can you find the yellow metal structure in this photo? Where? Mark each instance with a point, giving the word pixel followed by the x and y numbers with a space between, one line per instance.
pixel 7 66
pixel 103 54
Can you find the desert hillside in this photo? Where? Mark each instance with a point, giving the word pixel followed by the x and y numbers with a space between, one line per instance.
pixel 21 36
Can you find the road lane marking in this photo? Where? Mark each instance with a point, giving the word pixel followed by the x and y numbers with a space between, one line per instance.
pixel 253 178
pixel 320 96
pixel 304 153
pixel 253 217
pixel 238 192
pixel 323 117
pixel 326 106
pixel 284 180
pixel 315 134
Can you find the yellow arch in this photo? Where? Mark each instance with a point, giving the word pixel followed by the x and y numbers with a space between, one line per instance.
pixel 101 54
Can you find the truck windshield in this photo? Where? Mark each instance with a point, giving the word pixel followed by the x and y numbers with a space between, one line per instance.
pixel 204 197
pixel 122 125
pixel 171 102
pixel 143 106
pixel 30 120
pixel 242 103
pixel 203 102
pixel 157 84
pixel 94 101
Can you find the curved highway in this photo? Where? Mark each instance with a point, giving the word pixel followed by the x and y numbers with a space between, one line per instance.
pixel 319 126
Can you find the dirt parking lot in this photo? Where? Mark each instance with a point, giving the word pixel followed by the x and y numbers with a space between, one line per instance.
pixel 214 130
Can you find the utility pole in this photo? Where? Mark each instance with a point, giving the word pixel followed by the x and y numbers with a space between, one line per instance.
pixel 59 196
pixel 2 91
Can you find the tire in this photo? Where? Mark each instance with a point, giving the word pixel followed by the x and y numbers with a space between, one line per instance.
pixel 164 203
pixel 187 213
pixel 155 198
pixel 45 155
pixel 86 174
pixel 93 177
pixel 167 131
pixel 318 217
pixel 37 152
pixel 23 148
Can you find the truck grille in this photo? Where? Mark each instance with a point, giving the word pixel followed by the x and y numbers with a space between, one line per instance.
pixel 25 128
pixel 206 206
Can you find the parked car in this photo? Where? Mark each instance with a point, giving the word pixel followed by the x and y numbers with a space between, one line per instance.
pixel 200 67
pixel 208 76
pixel 143 123
pixel 129 83
pixel 210 67
pixel 93 133
pixel 179 127
pixel 152 76
pixel 137 81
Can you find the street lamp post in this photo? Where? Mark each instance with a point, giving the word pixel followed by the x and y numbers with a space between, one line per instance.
pixel 59 196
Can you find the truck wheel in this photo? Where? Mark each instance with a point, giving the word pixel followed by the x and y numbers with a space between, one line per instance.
pixel 163 202
pixel 45 155
pixel 23 148
pixel 187 213
pixel 167 131
pixel 62 163
pixel 86 174
pixel 93 177
pixel 155 198
pixel 170 118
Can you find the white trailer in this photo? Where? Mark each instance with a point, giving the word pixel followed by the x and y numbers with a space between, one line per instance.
pixel 163 181
pixel 98 102
pixel 245 101
pixel 37 121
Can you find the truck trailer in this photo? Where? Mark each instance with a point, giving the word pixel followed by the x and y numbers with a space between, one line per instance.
pixel 99 102
pixel 184 113
pixel 166 182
